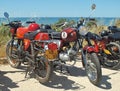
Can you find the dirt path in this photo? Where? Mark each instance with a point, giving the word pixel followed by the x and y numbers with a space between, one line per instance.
pixel 13 80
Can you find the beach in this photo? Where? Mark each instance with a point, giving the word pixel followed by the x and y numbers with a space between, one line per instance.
pixel 12 79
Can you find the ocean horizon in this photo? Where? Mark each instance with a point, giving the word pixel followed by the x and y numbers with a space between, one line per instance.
pixel 51 20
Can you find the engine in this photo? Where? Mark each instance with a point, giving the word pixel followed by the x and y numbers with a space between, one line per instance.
pixel 66 51
pixel 68 54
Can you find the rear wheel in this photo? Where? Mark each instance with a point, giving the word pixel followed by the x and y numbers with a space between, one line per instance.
pixel 43 71
pixel 11 54
pixel 112 61
pixel 93 68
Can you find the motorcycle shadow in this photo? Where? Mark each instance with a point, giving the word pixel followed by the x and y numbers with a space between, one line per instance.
pixel 77 71
pixel 62 82
pixel 6 83
pixel 105 84
pixel 71 70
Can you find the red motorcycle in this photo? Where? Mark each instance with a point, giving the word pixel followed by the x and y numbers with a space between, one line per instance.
pixel 108 49
pixel 28 46
pixel 69 43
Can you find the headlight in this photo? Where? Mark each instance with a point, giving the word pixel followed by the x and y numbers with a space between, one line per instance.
pixel 83 31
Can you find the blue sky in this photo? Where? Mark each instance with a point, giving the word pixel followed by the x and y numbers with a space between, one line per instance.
pixel 59 8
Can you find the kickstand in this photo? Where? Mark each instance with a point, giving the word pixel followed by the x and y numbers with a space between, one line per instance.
pixel 27 70
pixel 66 67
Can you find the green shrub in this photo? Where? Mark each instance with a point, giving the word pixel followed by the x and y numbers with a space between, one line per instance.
pixel 4 34
pixel 61 21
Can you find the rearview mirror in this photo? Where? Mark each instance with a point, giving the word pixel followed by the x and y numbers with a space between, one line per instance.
pixel 93 6
pixel 6 15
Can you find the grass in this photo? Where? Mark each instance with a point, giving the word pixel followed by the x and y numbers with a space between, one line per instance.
pixel 2 51
pixel 117 22
pixel 3 41
pixel 2 54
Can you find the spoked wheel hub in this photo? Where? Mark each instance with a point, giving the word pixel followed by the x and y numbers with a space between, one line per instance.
pixel 91 71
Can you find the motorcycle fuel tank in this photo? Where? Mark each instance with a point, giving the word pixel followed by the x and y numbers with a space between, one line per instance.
pixel 69 34
pixel 21 31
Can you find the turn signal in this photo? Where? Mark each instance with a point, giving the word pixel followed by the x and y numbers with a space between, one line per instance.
pixel 107 51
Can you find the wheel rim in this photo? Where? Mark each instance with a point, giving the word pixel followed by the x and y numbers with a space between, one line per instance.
pixel 42 69
pixel 111 63
pixel 91 71
pixel 112 60
pixel 12 56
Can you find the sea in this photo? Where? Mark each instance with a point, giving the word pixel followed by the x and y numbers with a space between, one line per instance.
pixel 52 20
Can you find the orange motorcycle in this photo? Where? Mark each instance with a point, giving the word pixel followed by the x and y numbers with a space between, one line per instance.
pixel 28 46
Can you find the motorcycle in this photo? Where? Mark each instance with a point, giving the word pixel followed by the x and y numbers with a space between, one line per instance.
pixel 69 43
pixel 27 46
pixel 106 49
pixel 109 49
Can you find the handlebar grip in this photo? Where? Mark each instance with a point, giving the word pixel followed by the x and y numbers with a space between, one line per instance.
pixel 58 25
pixel 6 24
pixel 16 21
pixel 30 22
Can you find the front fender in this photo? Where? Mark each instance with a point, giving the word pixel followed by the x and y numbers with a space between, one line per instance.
pixel 89 49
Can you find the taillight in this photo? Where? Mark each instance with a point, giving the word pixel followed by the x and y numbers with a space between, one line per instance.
pixel 51 51
pixel 52 46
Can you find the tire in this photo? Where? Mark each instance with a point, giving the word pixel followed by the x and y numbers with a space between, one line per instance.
pixel 44 70
pixel 115 62
pixel 12 58
pixel 93 68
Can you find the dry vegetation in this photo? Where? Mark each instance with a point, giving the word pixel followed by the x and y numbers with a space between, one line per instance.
pixel 117 22
pixel 5 35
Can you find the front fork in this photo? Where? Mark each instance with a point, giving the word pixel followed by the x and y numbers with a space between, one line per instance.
pixel 32 54
pixel 80 41
pixel 12 41
pixel 84 61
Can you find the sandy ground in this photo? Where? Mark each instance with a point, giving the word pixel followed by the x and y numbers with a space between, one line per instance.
pixel 13 80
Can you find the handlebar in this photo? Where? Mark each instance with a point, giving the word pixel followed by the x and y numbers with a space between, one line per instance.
pixel 62 24
pixel 113 29
pixel 28 22
pixel 14 24
pixel 93 36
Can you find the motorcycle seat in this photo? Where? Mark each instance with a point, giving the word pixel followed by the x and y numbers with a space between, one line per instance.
pixel 114 36
pixel 47 30
pixel 52 33
pixel 55 35
pixel 114 30
pixel 31 35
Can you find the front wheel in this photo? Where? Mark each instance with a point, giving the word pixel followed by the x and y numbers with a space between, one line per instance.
pixel 93 68
pixel 11 54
